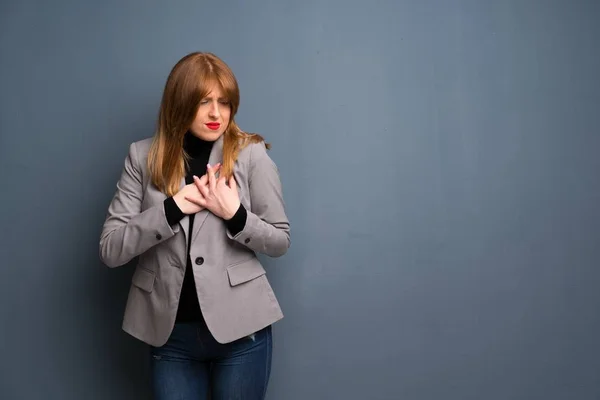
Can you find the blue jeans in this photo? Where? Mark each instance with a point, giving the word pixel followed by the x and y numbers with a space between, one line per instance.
pixel 193 364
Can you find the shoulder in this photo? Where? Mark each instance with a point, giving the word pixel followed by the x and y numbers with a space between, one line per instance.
pixel 254 152
pixel 138 150
pixel 141 147
pixel 137 156
pixel 256 160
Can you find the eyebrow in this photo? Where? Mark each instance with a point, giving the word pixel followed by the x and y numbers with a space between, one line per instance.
pixel 212 97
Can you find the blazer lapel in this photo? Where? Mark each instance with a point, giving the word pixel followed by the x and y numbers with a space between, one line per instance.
pixel 216 156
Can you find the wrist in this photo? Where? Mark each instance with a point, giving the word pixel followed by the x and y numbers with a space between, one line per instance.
pixel 232 211
pixel 172 211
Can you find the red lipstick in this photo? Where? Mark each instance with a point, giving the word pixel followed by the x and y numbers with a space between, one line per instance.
pixel 213 125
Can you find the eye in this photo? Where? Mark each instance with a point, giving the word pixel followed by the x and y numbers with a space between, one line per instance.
pixel 224 102
pixel 204 101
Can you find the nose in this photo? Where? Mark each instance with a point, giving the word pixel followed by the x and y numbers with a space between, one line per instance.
pixel 214 110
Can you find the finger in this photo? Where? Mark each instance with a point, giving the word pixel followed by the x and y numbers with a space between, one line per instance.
pixel 187 198
pixel 222 181
pixel 204 180
pixel 197 201
pixel 211 177
pixel 197 182
pixel 204 190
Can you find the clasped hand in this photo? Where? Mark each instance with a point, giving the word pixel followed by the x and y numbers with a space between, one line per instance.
pixel 218 195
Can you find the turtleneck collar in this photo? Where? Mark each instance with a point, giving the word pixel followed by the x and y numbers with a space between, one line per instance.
pixel 196 147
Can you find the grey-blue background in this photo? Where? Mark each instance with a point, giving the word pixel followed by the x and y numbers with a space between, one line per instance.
pixel 440 166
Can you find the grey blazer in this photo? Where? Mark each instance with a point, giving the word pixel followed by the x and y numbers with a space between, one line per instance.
pixel 235 296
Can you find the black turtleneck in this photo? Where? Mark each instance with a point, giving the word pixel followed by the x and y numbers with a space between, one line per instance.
pixel 199 152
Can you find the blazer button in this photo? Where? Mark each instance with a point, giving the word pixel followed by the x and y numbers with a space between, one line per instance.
pixel 199 260
pixel 158 236
pixel 247 240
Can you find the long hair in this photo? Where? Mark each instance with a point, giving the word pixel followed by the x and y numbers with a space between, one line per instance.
pixel 187 84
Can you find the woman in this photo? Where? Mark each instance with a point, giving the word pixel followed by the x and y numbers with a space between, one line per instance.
pixel 196 203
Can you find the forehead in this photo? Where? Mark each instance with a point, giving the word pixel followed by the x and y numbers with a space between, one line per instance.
pixel 214 89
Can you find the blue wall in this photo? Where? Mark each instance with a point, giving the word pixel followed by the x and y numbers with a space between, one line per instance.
pixel 441 172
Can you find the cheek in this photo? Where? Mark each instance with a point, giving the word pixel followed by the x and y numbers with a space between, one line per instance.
pixel 199 118
pixel 226 114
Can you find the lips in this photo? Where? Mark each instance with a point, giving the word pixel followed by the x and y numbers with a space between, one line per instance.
pixel 213 125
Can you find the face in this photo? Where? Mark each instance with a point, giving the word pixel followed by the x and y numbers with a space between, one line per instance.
pixel 212 117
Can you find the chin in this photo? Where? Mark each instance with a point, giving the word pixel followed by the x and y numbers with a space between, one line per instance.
pixel 210 136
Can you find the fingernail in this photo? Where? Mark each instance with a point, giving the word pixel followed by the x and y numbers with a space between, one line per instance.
pixel 208 165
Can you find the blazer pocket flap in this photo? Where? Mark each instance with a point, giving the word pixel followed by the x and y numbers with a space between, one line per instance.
pixel 144 279
pixel 245 271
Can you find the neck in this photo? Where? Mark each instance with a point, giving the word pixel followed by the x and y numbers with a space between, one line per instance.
pixel 194 146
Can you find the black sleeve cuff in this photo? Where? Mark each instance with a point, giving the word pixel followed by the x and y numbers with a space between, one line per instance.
pixel 172 211
pixel 237 224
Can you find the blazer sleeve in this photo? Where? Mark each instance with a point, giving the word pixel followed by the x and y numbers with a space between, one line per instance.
pixel 127 231
pixel 267 228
